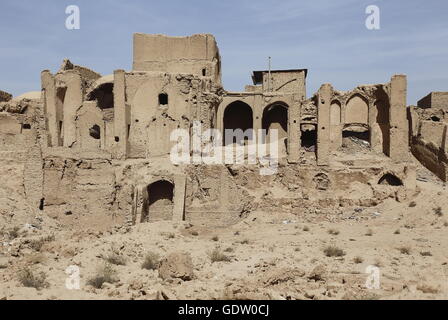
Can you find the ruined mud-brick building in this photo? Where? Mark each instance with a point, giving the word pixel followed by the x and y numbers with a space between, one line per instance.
pixel 95 150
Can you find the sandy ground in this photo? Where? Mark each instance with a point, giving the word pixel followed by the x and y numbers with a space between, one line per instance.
pixel 271 255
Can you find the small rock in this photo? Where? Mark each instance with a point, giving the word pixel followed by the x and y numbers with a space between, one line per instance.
pixel 176 265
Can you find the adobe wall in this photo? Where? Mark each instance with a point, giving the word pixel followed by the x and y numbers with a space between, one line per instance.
pixel 429 139
pixel 21 128
pixel 5 96
pixel 436 100
pixel 197 54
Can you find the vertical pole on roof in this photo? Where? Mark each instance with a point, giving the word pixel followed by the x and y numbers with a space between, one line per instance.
pixel 269 74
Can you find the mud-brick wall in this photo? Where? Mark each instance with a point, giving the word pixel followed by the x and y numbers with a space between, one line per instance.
pixel 215 197
pixel 20 163
pixel 222 195
pixel 81 191
pixel 429 145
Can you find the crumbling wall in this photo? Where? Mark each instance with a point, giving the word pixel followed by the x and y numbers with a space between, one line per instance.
pixel 5 96
pixel 160 103
pixel 80 190
pixel 429 139
pixel 435 100
pixel 21 128
pixel 196 55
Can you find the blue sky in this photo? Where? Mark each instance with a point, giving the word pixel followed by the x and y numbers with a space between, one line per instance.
pixel 328 37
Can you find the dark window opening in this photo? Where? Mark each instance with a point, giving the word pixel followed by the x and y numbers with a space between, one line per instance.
pixel 60 96
pixel 163 99
pixel 42 204
pixel 204 72
pixel 390 180
pixel 104 95
pixel 117 139
pixel 95 132
pixel 308 140
pixel 26 126
pixel 435 118
pixel 61 133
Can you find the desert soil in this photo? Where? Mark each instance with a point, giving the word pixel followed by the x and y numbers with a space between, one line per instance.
pixel 270 255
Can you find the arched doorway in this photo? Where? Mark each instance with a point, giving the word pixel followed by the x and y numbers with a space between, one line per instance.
pixel 159 201
pixel 275 117
pixel 237 115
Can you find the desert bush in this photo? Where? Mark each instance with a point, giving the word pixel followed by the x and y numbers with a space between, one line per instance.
pixel 245 241
pixel 305 228
pixel 30 279
pixel 369 233
pixel 151 261
pixel 333 232
pixel 412 204
pixel 36 244
pixel 438 211
pixel 104 274
pixel 405 250
pixel 333 251
pixel 358 260
pixel 216 256
pixel 426 254
pixel 194 233
pixel 115 257
pixel 397 231
pixel 215 238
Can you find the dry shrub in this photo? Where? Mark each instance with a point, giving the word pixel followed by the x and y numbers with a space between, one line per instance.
pixel 438 211
pixel 333 251
pixel 358 260
pixel 151 261
pixel 30 279
pixel 217 256
pixel 104 274
pixel 333 232
pixel 405 250
pixel 37 244
pixel 115 257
